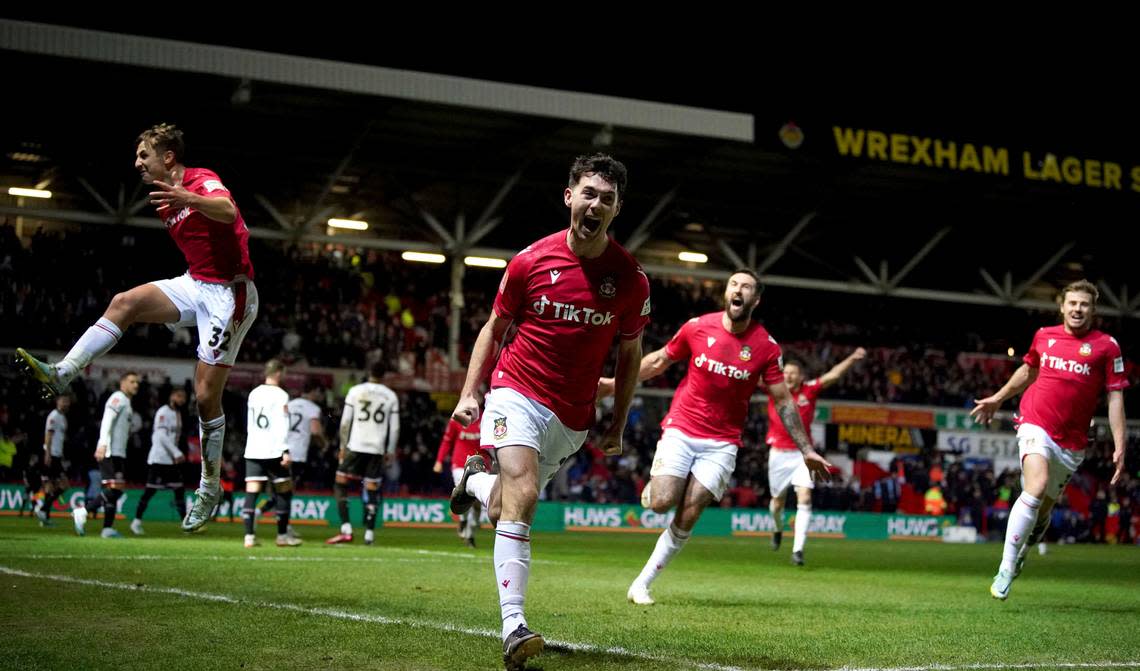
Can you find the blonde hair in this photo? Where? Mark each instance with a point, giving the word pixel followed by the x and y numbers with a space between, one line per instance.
pixel 164 137
pixel 274 367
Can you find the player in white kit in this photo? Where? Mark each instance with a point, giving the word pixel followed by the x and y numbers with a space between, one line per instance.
pixel 369 432
pixel 267 455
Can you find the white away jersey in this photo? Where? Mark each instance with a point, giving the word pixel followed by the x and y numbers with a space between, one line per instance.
pixel 57 424
pixel 302 412
pixel 116 426
pixel 164 437
pixel 267 422
pixel 372 413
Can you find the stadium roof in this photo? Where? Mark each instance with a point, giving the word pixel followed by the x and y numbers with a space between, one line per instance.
pixel 456 154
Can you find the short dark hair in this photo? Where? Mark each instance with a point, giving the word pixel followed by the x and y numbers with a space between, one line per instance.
pixel 164 137
pixel 751 273
pixel 605 166
pixel 127 374
pixel 378 369
pixel 312 385
pixel 794 362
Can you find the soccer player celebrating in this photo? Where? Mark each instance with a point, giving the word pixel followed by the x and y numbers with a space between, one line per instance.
pixel 786 464
pixel 728 355
pixel 216 294
pixel 569 294
pixel 462 444
pixel 1062 376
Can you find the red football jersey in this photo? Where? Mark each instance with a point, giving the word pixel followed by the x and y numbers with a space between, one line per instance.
pixel 805 398
pixel 568 310
pixel 460 443
pixel 215 251
pixel 1071 372
pixel 724 369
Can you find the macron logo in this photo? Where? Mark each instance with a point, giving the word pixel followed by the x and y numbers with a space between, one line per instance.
pixel 554 274
pixel 711 341
pixel 1051 341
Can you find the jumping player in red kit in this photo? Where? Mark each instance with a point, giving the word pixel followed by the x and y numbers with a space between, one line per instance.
pixel 569 294
pixel 216 294
pixel 1062 376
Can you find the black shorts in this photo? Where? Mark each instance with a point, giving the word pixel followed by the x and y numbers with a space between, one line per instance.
pixel 266 470
pixel 361 465
pixel 55 470
pixel 160 476
pixel 112 469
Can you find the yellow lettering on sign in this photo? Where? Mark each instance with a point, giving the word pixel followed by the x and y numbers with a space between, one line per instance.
pixel 1030 173
pixel 1071 170
pixel 1092 172
pixel 1112 175
pixel 969 158
pixel 899 148
pixel 1050 170
pixel 876 145
pixel 849 142
pixel 947 152
pixel 920 150
pixel 995 161
pixel 1135 177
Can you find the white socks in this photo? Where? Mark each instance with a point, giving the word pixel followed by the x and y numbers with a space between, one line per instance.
pixel 472 523
pixel 213 434
pixel 669 543
pixel 512 570
pixel 803 521
pixel 479 485
pixel 1022 518
pixel 94 343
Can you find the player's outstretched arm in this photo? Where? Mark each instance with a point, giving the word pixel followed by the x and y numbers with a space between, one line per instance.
pixel 1116 423
pixel 790 416
pixel 984 409
pixel 467 411
pixel 176 196
pixel 840 369
pixel 629 358
pixel 652 365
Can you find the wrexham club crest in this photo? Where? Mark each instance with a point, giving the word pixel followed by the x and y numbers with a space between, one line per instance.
pixel 1086 349
pixel 500 428
pixel 608 288
pixel 746 353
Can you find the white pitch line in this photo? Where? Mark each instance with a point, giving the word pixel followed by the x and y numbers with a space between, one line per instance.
pixel 357 617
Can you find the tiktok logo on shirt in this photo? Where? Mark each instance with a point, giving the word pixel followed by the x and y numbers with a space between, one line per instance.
pixel 572 313
pixel 714 366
